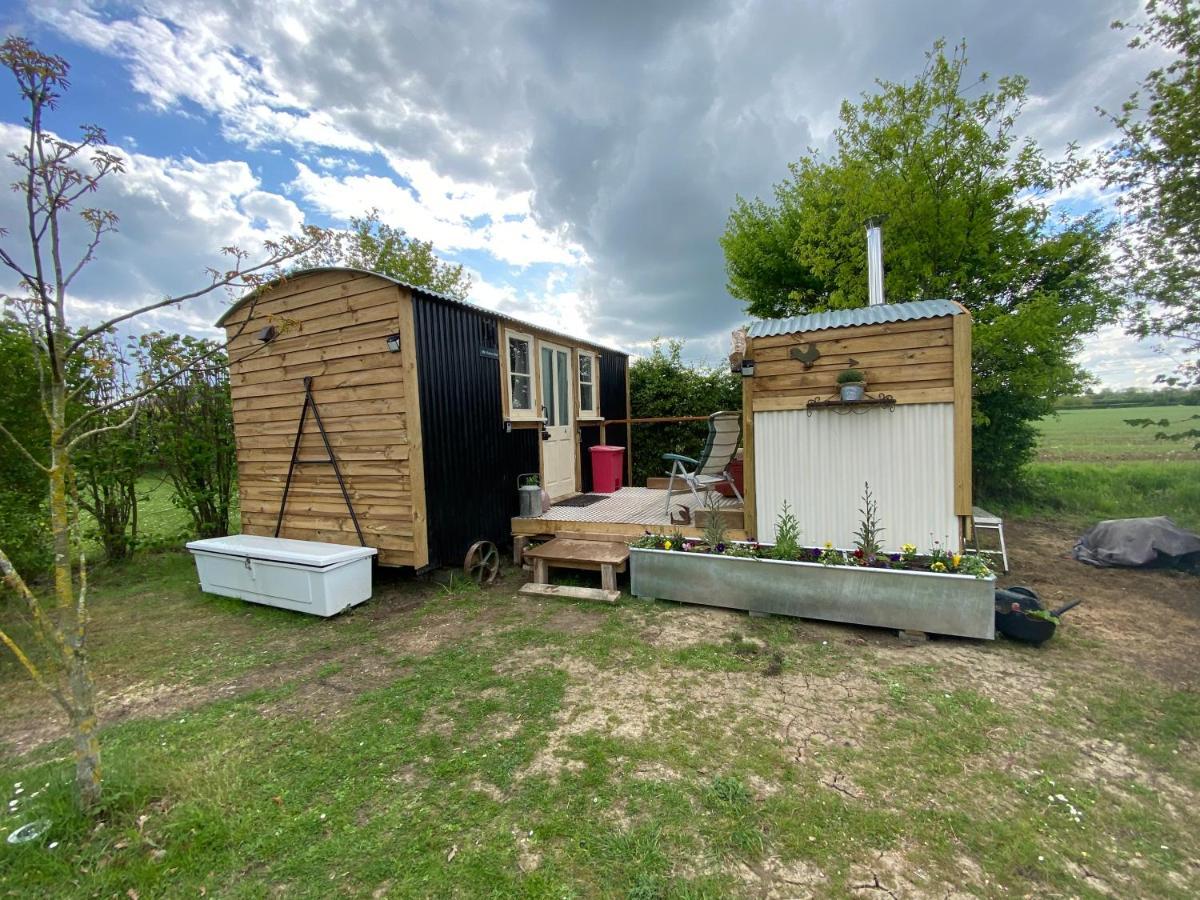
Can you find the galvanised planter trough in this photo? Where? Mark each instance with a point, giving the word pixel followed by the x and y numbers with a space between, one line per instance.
pixel 961 605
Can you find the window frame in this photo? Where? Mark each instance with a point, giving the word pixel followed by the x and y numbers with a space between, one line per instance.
pixel 533 414
pixel 592 412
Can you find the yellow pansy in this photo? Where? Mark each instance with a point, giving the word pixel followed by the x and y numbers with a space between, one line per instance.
pixel 938 567
pixel 956 559
pixel 666 545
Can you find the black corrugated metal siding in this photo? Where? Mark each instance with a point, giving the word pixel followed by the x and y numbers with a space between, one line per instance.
pixel 471 463
pixel 613 369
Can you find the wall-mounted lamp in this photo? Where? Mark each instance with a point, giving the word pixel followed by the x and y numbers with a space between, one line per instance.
pixel 393 343
pixel 747 368
pixel 268 334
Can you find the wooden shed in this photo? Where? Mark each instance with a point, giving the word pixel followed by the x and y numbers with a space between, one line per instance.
pixel 909 438
pixel 432 408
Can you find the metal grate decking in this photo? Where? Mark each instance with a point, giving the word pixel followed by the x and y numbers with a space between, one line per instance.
pixel 630 505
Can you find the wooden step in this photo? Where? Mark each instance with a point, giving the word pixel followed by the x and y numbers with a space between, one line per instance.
pixel 575 593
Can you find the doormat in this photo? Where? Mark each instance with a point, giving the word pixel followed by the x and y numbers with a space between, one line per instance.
pixel 578 501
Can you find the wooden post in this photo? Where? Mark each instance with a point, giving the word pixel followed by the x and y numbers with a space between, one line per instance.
pixel 541 572
pixel 749 511
pixel 608 577
pixel 519 542
pixel 628 430
pixel 962 421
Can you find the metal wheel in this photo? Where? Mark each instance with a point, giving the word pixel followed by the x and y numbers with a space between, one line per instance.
pixel 482 564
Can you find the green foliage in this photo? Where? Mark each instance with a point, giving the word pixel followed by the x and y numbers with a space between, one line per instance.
pixel 787 534
pixel 191 424
pixel 24 519
pixel 963 197
pixel 851 376
pixel 866 538
pixel 376 246
pixel 109 462
pixel 662 384
pixel 1154 165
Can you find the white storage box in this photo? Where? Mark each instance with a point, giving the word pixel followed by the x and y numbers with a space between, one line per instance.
pixel 307 576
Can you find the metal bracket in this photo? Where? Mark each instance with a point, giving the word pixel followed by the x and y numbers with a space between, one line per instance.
pixel 329 460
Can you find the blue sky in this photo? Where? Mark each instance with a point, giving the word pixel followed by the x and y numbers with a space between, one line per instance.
pixel 579 159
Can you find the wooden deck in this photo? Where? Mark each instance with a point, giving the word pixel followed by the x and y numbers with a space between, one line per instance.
pixel 623 515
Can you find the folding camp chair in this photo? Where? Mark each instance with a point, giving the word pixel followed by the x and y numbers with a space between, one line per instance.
pixel 724 434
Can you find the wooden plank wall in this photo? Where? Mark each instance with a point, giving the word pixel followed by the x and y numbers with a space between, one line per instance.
pixel 912 361
pixel 333 327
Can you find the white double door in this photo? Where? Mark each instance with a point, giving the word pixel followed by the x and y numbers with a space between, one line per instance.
pixel 558 409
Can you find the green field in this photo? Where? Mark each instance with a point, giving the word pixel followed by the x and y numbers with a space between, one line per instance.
pixel 1092 466
pixel 1101 435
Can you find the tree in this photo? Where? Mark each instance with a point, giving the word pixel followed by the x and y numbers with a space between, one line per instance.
pixel 55 175
pixel 1156 167
pixel 190 421
pixel 24 516
pixel 967 218
pixel 110 461
pixel 375 246
pixel 662 384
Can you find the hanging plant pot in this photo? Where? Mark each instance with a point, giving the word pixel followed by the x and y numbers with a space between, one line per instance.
pixel 852 392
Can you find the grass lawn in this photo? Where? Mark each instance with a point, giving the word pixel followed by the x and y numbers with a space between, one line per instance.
pixel 450 741
pixel 1092 466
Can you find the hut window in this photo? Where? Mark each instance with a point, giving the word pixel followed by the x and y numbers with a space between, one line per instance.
pixel 520 359
pixel 589 378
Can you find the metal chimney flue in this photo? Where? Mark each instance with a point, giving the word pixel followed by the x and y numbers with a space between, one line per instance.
pixel 875 260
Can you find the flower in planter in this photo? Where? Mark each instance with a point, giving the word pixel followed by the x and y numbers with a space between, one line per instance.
pixel 666 545
pixel 894 557
pixel 938 566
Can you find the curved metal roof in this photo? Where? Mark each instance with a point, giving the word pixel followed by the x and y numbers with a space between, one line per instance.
pixel 865 315
pixel 426 292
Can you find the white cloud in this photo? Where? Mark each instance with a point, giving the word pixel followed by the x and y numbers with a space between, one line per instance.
pixel 175 214
pixel 442 211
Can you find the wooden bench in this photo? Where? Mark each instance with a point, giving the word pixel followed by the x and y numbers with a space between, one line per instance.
pixel 606 557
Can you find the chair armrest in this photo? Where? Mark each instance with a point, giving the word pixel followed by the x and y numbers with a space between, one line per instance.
pixel 679 457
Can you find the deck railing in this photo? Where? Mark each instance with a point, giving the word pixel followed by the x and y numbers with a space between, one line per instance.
pixel 637 420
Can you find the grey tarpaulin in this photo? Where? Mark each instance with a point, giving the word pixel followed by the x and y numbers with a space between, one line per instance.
pixel 1139 542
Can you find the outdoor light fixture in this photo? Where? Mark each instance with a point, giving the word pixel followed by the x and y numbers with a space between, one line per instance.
pixel 747 368
pixel 268 334
pixel 393 342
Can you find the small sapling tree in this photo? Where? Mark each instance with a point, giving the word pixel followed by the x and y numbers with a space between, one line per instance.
pixel 55 176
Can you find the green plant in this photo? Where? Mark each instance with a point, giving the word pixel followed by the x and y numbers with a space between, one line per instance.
pixel 1044 614
pixel 787 534
pixel 714 523
pixel 191 425
pixel 851 376
pixel 866 538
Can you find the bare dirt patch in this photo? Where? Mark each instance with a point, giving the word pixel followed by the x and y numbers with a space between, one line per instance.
pixel 1147 618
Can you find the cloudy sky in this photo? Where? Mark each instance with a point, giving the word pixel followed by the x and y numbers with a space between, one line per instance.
pixel 579 158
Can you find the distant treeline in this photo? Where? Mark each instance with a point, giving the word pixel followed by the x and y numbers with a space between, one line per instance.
pixel 1109 398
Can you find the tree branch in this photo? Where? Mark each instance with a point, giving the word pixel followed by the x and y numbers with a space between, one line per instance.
pixel 137 408
pixel 29 456
pixel 228 279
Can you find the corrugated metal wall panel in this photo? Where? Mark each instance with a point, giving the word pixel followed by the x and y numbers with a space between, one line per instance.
pixel 471 463
pixel 819 464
